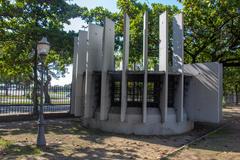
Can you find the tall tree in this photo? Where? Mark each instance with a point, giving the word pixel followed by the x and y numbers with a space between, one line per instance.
pixel 212 31
pixel 22 24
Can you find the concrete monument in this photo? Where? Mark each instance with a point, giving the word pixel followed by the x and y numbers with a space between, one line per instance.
pixel 166 101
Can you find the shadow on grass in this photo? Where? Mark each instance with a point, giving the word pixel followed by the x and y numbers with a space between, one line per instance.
pixel 8 148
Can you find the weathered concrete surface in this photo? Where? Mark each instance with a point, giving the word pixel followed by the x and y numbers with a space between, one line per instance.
pixel 133 123
pixel 203 100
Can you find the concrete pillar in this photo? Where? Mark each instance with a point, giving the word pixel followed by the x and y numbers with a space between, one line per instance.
pixel 145 65
pixel 163 63
pixel 125 67
pixel 80 69
pixel 177 59
pixel 72 110
pixel 108 61
pixel 93 63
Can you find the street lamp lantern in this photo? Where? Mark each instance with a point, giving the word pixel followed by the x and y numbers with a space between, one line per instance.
pixel 43 47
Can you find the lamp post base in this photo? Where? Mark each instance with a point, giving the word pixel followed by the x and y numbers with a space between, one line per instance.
pixel 41 141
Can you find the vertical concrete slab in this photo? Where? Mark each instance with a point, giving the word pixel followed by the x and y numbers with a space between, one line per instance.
pixel 203 100
pixel 108 58
pixel 94 54
pixel 80 69
pixel 145 65
pixel 163 63
pixel 178 39
pixel 93 63
pixel 125 67
pixel 74 76
pixel 177 59
pixel 163 44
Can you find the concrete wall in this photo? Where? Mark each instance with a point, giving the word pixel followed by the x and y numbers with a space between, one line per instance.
pixel 203 100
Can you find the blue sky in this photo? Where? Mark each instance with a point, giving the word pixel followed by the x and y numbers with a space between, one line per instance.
pixel 77 23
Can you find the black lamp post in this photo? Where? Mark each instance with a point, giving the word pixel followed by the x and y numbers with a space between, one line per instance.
pixel 43 48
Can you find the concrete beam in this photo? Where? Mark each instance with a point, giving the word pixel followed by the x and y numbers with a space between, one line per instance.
pixel 177 59
pixel 125 67
pixel 145 65
pixel 108 61
pixel 163 63
pixel 93 63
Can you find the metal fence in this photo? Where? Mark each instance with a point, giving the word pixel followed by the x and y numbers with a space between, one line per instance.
pixel 18 99
pixel 135 90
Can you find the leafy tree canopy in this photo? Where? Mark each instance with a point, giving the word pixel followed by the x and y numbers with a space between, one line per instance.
pixel 212 31
pixel 22 25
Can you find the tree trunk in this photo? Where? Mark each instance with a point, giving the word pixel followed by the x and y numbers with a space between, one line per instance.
pixel 47 99
pixel 236 94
